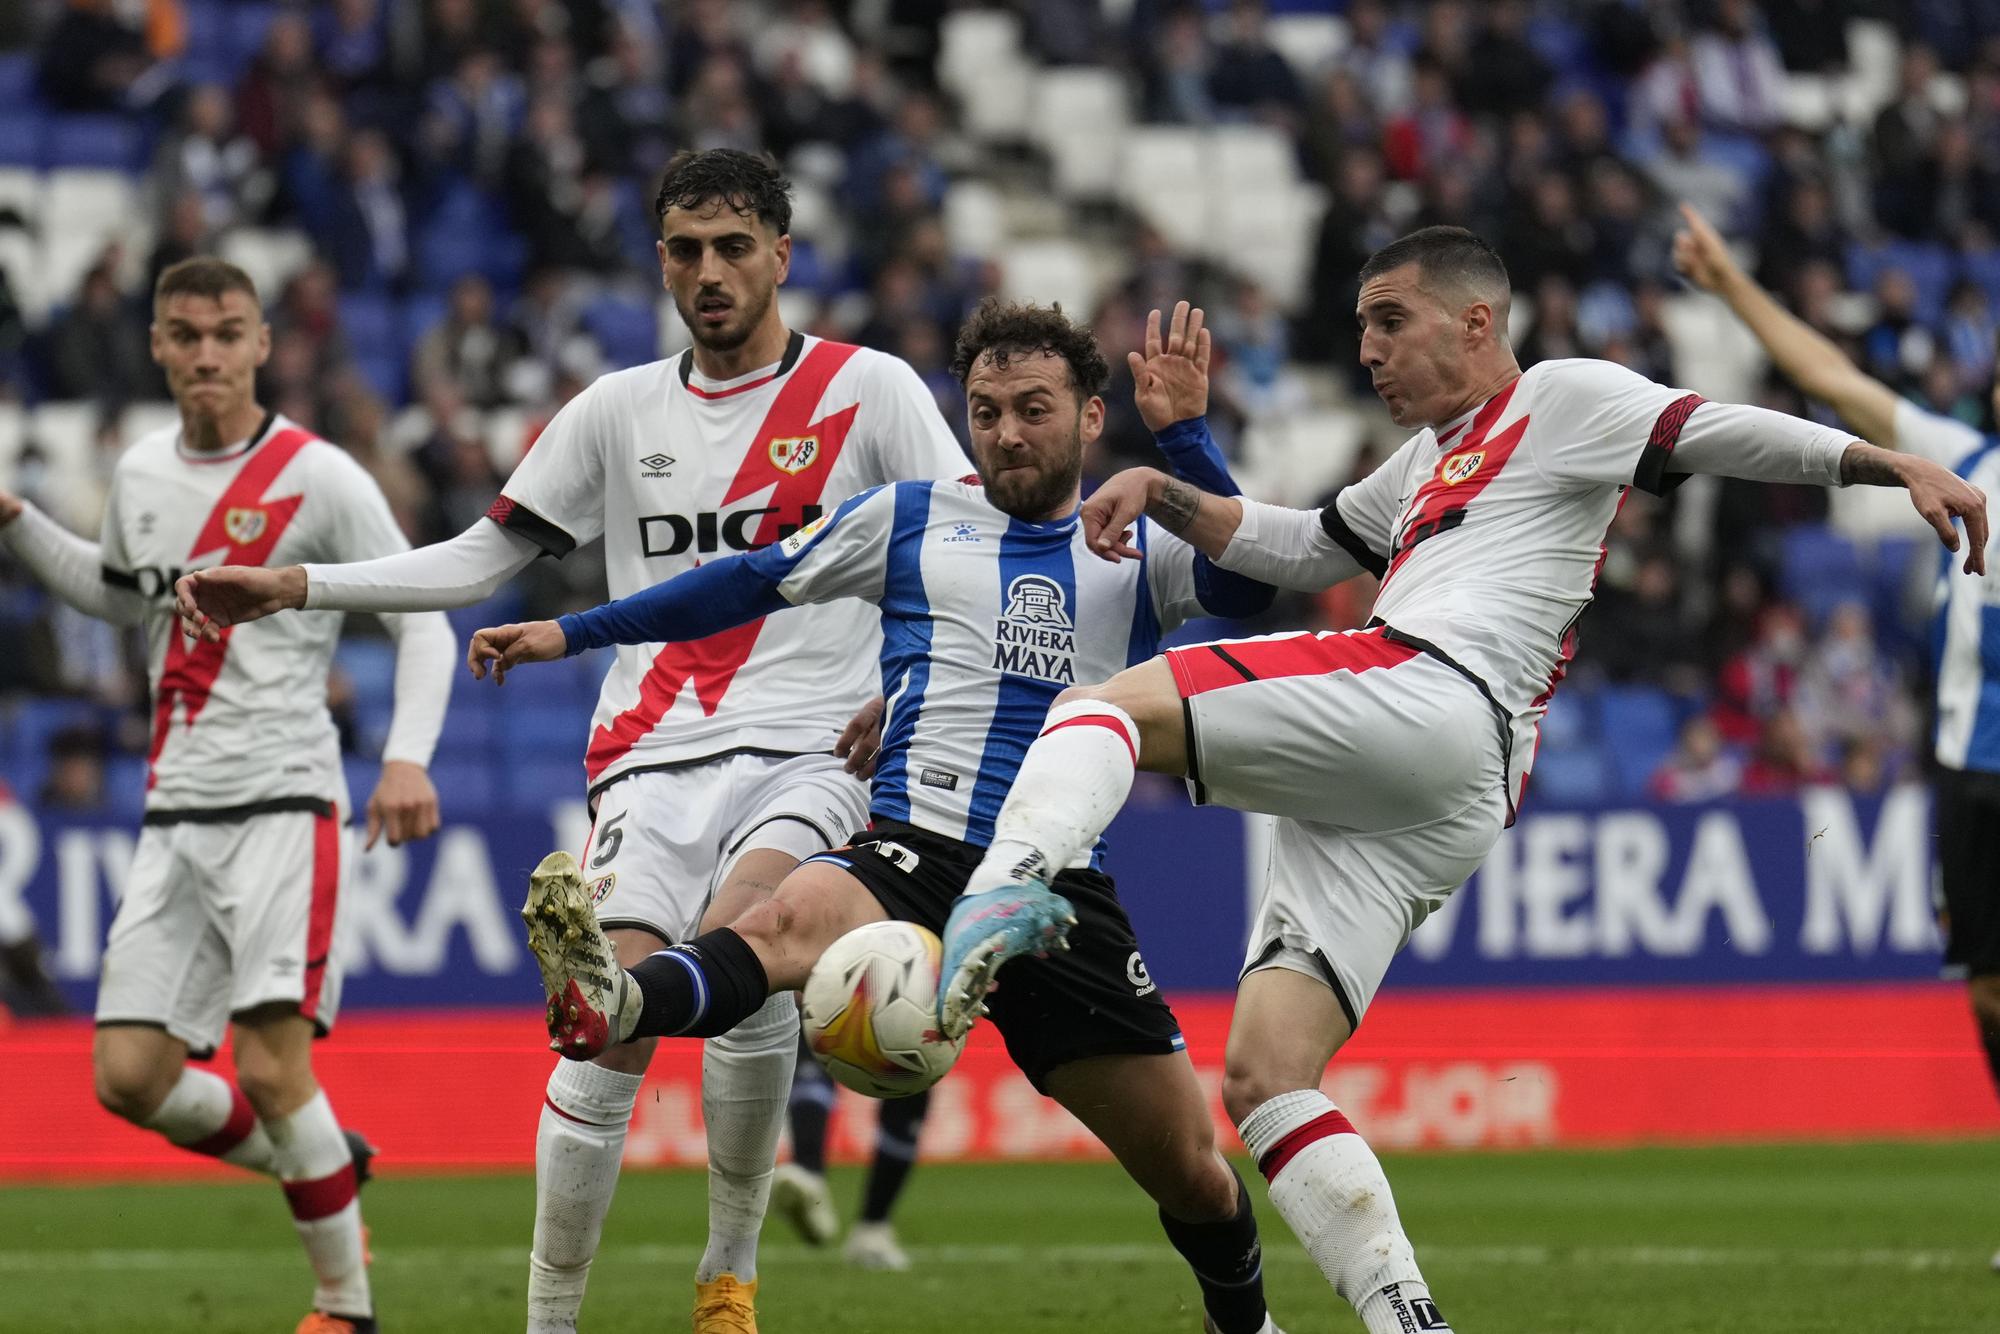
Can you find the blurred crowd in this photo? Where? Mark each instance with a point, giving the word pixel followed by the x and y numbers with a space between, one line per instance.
pixel 474 178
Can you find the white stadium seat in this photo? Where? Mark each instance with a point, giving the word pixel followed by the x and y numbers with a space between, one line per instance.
pixel 21 258
pixel 270 255
pixel 1079 117
pixel 996 103
pixel 972 42
pixel 1251 157
pixel 145 418
pixel 21 193
pixel 1163 177
pixel 506 430
pixel 1056 269
pixel 13 431
pixel 1307 41
pixel 87 201
pixel 975 218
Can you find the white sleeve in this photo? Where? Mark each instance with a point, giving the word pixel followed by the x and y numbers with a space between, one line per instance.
pixel 358 525
pixel 844 554
pixel 465 569
pixel 1945 441
pixel 556 496
pixel 908 438
pixel 74 568
pixel 1758 445
pixel 1170 578
pixel 1297 549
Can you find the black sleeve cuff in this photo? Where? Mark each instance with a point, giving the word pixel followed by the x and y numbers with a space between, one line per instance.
pixel 1349 540
pixel 516 517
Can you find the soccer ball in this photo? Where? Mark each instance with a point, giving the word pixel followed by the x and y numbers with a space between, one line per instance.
pixel 871 1011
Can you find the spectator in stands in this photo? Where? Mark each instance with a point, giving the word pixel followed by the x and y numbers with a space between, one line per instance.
pixel 625 114
pixel 1850 689
pixel 1800 230
pixel 97 349
pixel 1784 761
pixel 1969 339
pixel 1247 75
pixel 804 34
pixel 93 60
pixel 184 233
pixel 75 781
pixel 1897 346
pixel 1906 130
pixel 1699 768
pixel 1373 57
pixel 1552 334
pixel 1737 73
pixel 1683 170
pixel 1638 631
pixel 454 461
pixel 1503 73
pixel 209 159
pixel 470 119
pixel 469 346
pixel 704 33
pixel 271 98
pixel 1762 680
pixel 305 326
pixel 721 108
pixel 1432 133
pixel 368 233
pixel 1174 63
pixel 351 41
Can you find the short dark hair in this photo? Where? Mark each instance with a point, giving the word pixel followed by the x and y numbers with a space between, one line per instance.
pixel 745 182
pixel 202 275
pixel 1448 257
pixel 1007 329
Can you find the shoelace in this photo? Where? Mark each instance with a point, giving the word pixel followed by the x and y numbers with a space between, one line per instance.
pixel 727 1314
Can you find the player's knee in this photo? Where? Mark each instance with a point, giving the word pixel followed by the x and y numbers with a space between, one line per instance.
pixel 1203 1190
pixel 1245 1088
pixel 273 1086
pixel 129 1088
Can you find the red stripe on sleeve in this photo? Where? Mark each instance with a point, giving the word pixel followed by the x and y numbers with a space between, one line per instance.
pixel 1288 1148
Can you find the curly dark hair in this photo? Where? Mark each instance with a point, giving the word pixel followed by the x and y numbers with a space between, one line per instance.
pixel 1008 329
pixel 746 182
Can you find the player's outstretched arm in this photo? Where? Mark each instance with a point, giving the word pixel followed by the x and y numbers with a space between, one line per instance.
pixel 210 601
pixel 1205 522
pixel 69 566
pixel 499 649
pixel 1806 358
pixel 1939 495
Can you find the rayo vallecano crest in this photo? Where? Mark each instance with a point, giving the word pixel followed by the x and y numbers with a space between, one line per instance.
pixel 1461 466
pixel 795 453
pixel 244 526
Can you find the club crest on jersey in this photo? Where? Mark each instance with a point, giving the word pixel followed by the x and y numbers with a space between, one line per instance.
pixel 243 526
pixel 1461 466
pixel 794 454
pixel 1036 637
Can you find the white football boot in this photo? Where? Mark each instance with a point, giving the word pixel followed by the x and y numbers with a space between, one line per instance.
pixel 802 1199
pixel 874 1246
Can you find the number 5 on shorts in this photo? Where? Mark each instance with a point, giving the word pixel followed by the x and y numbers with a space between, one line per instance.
pixel 609 838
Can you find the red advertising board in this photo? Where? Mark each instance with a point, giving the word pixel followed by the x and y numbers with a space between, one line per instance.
pixel 444 1090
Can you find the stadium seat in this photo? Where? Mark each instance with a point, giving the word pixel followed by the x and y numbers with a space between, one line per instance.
pixel 1057 269
pixel 974 42
pixel 371 323
pixel 975 218
pixel 17 82
pixel 206 23
pixel 1250 157
pixel 23 131
pixel 1819 569
pixel 1267 234
pixel 387 373
pixel 504 430
pixel 111 142
pixel 1931 270
pixel 248 23
pixel 20 196
pixel 1307 41
pixel 1162 175
pixel 21 258
pixel 144 418
pixel 67 436
pixel 1079 115
pixel 270 255
pixel 1638 724
pixel 13 433
pixel 627 330
pixel 1580 776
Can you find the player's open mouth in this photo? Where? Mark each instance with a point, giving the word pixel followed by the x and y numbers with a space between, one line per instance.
pixel 713 308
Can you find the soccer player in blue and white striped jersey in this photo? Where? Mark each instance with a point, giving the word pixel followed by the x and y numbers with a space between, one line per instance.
pixel 1967 624
pixel 991 604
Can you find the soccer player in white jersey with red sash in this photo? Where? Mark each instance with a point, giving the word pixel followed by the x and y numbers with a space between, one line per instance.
pixel 1395 754
pixel 229 912
pixel 708 763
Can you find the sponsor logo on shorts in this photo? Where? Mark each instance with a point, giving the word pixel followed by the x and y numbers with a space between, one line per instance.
pixel 897 855
pixel 1141 980
pixel 1035 636
pixel 600 888
pixel 939 778
pixel 1461 466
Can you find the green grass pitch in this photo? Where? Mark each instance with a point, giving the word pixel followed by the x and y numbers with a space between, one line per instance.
pixel 1854 1238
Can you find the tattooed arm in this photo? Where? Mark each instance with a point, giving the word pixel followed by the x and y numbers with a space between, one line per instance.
pixel 1939 494
pixel 1203 521
pixel 1273 544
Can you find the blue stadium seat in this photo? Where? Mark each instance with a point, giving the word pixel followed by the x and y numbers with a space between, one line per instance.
pixel 627 331
pixel 1819 569
pixel 420 313
pixel 1569 721
pixel 93 141
pixel 1638 724
pixel 207 30
pixel 17 81
pixel 369 321
pixel 386 373
pixel 1983 267
pixel 247 25
pixel 1569 775
pixel 371 665
pixel 22 131
pixel 1562 43
pixel 1931 268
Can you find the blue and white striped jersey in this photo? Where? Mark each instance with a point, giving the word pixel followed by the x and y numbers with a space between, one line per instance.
pixel 985 617
pixel 1966 631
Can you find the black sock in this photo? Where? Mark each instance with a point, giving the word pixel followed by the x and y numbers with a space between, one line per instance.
pixel 1227 1262
pixel 812 1103
pixel 700 988
pixel 897 1129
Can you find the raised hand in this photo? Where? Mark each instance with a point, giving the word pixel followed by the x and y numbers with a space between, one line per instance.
pixel 501 648
pixel 209 601
pixel 1700 253
pixel 1170 380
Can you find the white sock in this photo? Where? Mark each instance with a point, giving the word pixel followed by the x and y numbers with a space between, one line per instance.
pixel 313 1161
pixel 1072 781
pixel 1326 1182
pixel 746 1079
pixel 578 1149
pixel 205 1113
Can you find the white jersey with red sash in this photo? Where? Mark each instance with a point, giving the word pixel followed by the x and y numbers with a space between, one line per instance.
pixel 673 469
pixel 243 720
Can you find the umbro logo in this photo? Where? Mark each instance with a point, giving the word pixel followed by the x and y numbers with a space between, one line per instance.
pixel 656 465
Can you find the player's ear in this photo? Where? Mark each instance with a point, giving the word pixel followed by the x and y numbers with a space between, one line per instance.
pixel 263 342
pixel 1090 421
pixel 1477 321
pixel 784 249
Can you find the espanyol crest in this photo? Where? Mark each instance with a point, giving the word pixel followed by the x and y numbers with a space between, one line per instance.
pixel 243 526
pixel 795 454
pixel 1033 599
pixel 1461 466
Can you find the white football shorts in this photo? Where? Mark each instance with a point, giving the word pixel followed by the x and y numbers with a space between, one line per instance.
pixel 1386 768
pixel 664 840
pixel 221 915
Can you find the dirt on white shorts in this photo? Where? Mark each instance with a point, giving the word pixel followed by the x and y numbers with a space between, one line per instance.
pixel 1386 768
pixel 224 912
pixel 664 840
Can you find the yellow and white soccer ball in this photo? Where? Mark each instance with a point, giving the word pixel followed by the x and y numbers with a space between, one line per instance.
pixel 871 1011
